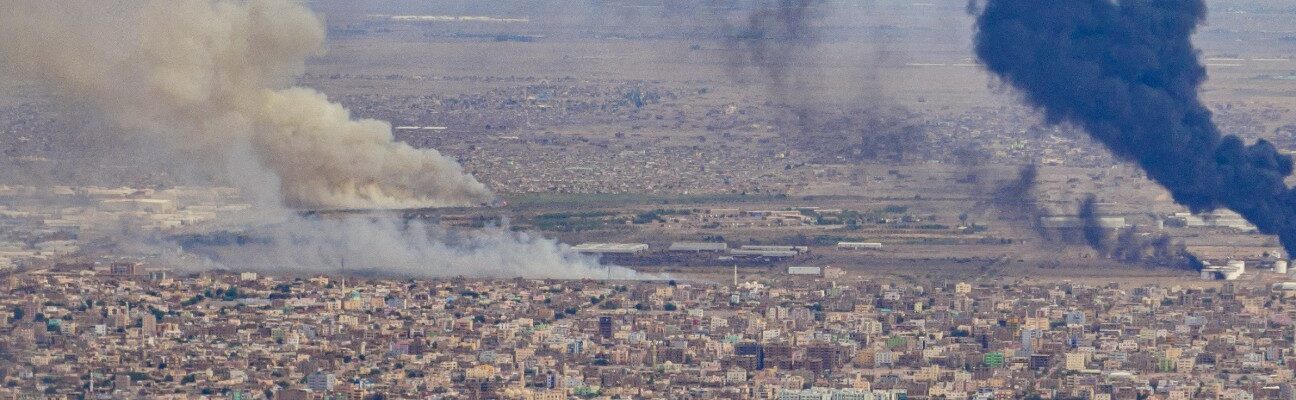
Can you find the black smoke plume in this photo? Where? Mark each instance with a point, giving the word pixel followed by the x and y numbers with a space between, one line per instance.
pixel 778 39
pixel 1095 235
pixel 857 134
pixel 1019 197
pixel 1020 191
pixel 774 36
pixel 1127 73
pixel 1128 244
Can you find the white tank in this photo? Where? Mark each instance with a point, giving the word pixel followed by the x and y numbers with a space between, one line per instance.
pixel 1237 264
pixel 1280 267
pixel 1232 274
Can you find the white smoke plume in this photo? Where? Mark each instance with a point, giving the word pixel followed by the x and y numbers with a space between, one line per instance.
pixel 389 246
pixel 207 77
pixel 210 80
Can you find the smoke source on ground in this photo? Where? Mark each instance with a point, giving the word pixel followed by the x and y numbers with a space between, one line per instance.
pixel 1128 73
pixel 209 81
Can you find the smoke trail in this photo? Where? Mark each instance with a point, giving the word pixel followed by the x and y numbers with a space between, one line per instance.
pixel 780 39
pixel 207 77
pixel 1129 245
pixel 776 33
pixel 388 246
pixel 1019 197
pixel 1128 73
pixel 1095 234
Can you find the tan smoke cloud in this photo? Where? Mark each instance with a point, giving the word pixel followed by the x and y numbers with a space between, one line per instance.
pixel 210 79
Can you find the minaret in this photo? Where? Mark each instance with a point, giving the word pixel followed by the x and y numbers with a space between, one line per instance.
pixel 342 267
pixel 735 275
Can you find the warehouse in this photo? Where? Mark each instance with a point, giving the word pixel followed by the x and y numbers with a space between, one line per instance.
pixel 698 247
pixel 611 248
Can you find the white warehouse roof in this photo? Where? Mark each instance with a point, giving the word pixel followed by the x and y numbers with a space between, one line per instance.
pixel 698 246
pixel 610 248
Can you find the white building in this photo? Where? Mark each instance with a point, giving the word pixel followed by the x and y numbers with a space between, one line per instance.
pixel 610 248
pixel 858 245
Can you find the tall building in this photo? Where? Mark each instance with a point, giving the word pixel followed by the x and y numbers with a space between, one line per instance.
pixel 1028 338
pixel 605 327
pixel 320 381
pixel 1039 362
pixel 823 357
pixel 1075 317
pixel 753 350
pixel 124 269
pixel 148 325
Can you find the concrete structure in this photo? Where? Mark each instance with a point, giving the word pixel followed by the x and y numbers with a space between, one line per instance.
pixel 1221 218
pixel 698 246
pixel 797 249
pixel 764 253
pixel 320 381
pixel 610 248
pixel 805 271
pixel 125 269
pixel 858 245
pixel 1232 270
pixel 1079 223
pixel 1238 265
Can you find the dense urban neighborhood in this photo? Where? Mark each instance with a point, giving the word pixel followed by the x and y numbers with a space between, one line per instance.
pixel 117 331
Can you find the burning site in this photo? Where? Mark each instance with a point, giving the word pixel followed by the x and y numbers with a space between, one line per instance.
pixel 647 199
pixel 242 135
pixel 209 83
